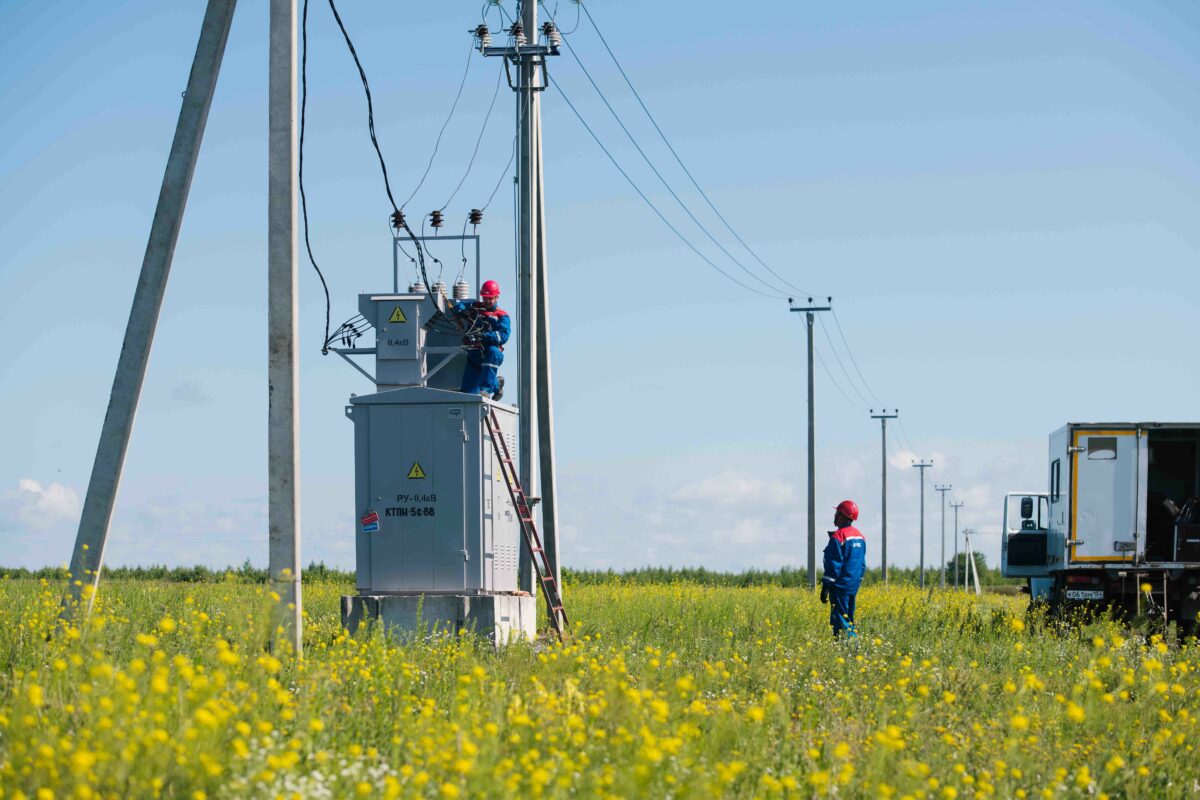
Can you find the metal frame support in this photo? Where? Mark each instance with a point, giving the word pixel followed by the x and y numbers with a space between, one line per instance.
pixel 448 238
pixel 883 417
pixel 283 441
pixel 88 556
pixel 809 312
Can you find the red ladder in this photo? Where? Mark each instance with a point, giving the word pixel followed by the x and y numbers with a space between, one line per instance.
pixel 533 542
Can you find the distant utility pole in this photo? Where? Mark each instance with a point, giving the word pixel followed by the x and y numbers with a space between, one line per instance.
pixel 883 417
pixel 956 507
pixel 810 315
pixel 943 488
pixel 922 465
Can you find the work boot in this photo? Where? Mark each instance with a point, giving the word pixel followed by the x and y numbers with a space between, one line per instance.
pixel 496 395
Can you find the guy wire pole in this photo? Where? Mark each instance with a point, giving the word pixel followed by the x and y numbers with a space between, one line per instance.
pixel 88 556
pixel 283 445
pixel 943 488
pixel 956 507
pixel 883 417
pixel 923 465
pixel 810 311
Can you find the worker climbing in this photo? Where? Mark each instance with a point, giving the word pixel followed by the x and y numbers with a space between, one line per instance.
pixel 487 328
pixel 845 562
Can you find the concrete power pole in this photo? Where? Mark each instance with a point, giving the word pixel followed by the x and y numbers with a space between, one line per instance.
pixel 883 417
pixel 535 397
pixel 956 507
pixel 943 488
pixel 88 556
pixel 922 465
pixel 283 443
pixel 810 311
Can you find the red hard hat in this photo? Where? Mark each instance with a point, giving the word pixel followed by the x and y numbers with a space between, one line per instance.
pixel 489 289
pixel 848 509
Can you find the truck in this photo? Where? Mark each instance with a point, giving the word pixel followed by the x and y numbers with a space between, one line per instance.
pixel 1118 526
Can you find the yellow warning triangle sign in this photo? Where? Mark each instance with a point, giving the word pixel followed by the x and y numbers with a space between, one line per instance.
pixel 416 471
pixel 398 316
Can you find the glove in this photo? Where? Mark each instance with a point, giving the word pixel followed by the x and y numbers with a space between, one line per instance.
pixel 824 594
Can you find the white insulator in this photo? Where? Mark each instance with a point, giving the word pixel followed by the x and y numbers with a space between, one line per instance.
pixel 416 287
pixel 462 290
pixel 440 288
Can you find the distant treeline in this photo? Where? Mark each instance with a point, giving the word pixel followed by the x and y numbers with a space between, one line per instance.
pixel 248 573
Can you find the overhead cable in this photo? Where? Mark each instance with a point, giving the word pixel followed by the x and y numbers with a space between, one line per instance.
pixel 662 180
pixel 679 160
pixel 833 380
pixel 841 364
pixel 438 142
pixel 646 199
pixel 303 199
pixel 398 220
pixel 478 139
pixel 853 360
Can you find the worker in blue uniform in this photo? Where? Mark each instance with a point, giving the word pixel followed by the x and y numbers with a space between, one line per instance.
pixel 487 329
pixel 845 562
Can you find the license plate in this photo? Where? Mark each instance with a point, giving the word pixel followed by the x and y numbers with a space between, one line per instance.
pixel 1085 594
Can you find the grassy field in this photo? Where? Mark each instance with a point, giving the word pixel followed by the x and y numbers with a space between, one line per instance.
pixel 675 690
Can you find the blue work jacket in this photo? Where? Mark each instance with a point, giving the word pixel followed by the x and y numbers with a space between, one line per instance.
pixel 845 560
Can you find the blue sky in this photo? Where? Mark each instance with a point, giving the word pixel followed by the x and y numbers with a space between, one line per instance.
pixel 1001 198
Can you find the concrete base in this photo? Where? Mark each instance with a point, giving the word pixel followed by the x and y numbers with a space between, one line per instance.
pixel 499 617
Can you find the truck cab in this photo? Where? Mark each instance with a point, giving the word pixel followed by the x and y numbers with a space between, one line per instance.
pixel 1121 510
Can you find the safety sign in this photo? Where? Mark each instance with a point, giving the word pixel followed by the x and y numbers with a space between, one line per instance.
pixel 370 522
pixel 416 471
pixel 398 316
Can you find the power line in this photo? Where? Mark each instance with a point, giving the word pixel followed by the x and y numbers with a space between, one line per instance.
pixel 679 160
pixel 438 142
pixel 659 175
pixel 478 140
pixel 841 364
pixel 825 367
pixel 642 194
pixel 854 361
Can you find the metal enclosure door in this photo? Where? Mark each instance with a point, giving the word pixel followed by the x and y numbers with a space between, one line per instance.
pixel 417 466
pixel 1104 496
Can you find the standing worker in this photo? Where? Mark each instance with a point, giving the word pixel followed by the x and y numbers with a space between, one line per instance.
pixel 845 562
pixel 488 328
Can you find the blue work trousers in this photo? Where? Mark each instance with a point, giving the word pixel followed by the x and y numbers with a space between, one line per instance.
pixel 480 373
pixel 841 611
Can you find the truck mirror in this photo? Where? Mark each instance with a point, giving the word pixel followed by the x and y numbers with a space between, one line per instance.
pixel 1026 507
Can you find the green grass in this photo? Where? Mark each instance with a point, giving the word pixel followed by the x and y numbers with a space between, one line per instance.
pixel 677 689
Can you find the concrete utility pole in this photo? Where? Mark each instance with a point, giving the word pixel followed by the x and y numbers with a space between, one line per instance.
pixel 922 465
pixel 88 556
pixel 956 507
pixel 810 311
pixel 943 488
pixel 883 417
pixel 283 442
pixel 535 397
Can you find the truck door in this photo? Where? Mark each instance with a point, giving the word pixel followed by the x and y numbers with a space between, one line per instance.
pixel 1104 507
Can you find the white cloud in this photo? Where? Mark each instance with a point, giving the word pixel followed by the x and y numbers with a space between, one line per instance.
pixel 189 392
pixel 32 506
